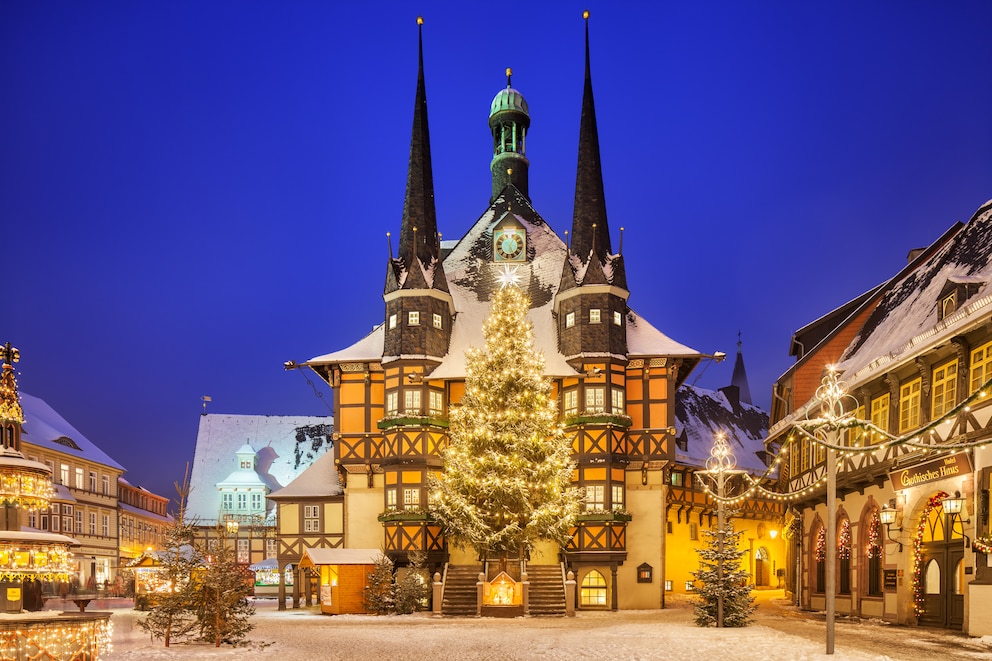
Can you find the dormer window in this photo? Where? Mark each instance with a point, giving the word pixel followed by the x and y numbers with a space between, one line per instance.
pixel 956 292
pixel 948 305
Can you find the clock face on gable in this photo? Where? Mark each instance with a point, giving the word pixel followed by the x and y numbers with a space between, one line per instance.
pixel 509 245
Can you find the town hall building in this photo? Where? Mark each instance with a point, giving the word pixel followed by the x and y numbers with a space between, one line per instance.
pixel 614 374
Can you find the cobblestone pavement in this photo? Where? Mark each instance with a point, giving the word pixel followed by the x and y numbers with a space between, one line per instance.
pixel 869 635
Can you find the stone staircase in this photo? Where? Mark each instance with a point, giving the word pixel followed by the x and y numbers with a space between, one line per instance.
pixel 460 592
pixel 547 590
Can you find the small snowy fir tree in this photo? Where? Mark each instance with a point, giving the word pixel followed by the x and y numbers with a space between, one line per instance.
pixel 172 617
pixel 507 470
pixel 738 602
pixel 378 593
pixel 222 595
pixel 413 588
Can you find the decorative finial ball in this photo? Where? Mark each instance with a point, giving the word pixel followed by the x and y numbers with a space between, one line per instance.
pixel 509 71
pixel 585 14
pixel 420 20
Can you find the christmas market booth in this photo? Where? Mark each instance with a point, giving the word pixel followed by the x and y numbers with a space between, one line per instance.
pixel 267 577
pixel 343 576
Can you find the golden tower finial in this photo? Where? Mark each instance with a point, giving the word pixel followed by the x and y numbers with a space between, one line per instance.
pixel 585 14
pixel 420 20
pixel 509 73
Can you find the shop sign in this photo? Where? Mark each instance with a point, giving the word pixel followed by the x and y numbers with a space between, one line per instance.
pixel 956 465
pixel 889 579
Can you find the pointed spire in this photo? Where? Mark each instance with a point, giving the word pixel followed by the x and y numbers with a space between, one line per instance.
pixel 589 217
pixel 418 232
pixel 739 379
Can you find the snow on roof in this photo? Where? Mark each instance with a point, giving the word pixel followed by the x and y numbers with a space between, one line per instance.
pixel 287 446
pixel 37 537
pixel 137 511
pixel 325 556
pixel 320 479
pixel 906 319
pixel 366 350
pixel 62 494
pixel 643 339
pixel 242 477
pixel 45 428
pixel 701 413
pixel 268 563
pixel 472 281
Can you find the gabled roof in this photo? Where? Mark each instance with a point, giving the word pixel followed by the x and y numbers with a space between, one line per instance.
pixel 472 282
pixel 45 428
pixel 828 326
pixel 319 480
pixel 287 446
pixel 907 318
pixel 700 414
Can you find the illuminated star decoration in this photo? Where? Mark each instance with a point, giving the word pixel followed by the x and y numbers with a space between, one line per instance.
pixel 508 277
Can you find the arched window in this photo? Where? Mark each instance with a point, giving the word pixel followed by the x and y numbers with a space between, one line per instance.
pixel 844 556
pixel 593 589
pixel 873 552
pixel 932 578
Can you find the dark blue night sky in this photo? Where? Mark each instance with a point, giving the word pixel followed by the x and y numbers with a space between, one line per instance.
pixel 192 193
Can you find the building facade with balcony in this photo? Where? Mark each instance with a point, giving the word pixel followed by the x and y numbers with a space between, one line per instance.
pixel 915 358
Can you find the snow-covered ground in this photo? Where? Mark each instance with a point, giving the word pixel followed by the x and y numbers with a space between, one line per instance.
pixel 780 633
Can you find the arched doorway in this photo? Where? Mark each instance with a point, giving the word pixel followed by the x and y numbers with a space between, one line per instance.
pixel 942 568
pixel 761 566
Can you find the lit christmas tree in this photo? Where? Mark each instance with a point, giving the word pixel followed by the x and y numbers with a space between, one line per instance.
pixel 507 469
pixel 738 602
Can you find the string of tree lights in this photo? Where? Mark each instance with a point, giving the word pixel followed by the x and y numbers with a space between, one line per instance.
pixel 834 417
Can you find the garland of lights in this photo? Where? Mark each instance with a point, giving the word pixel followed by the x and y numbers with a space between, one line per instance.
pixel 821 545
pixel 874 549
pixel 918 596
pixel 844 541
pixel 845 421
pixel 57 640
pixel 982 544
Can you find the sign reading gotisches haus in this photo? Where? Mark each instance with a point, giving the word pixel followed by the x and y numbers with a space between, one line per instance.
pixel 953 466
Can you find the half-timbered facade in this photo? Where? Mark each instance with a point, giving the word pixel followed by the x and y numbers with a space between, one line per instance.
pixel 915 356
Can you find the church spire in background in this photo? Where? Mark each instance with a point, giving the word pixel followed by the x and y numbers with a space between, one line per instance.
pixel 739 379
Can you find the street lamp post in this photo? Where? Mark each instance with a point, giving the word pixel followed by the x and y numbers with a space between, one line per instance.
pixel 826 427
